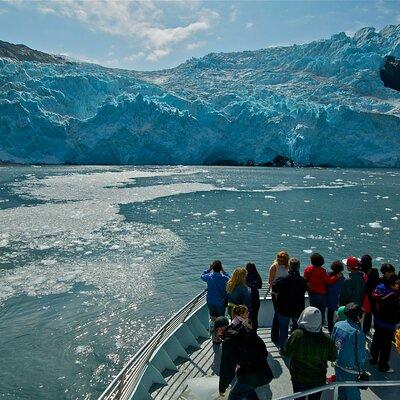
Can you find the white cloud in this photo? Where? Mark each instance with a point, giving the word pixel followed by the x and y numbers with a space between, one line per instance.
pixel 140 19
pixel 233 14
pixel 155 55
pixel 383 7
pixel 2 11
pixel 163 37
pixel 195 45
pixel 249 25
pixel 134 57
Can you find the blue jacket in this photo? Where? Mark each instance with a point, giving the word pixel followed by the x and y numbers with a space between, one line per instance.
pixel 387 307
pixel 345 335
pixel 241 295
pixel 334 292
pixel 216 286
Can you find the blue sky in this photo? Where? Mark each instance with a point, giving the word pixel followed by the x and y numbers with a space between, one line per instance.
pixel 150 34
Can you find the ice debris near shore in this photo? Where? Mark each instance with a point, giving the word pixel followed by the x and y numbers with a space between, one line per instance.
pixel 321 103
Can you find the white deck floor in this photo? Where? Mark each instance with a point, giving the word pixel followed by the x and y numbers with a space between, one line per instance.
pixel 199 365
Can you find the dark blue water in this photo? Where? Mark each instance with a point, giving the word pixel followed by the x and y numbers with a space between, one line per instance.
pixel 94 259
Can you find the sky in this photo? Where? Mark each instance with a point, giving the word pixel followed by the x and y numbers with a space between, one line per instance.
pixel 153 35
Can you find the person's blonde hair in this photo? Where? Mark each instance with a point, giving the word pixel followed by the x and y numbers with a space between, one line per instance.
pixel 237 279
pixel 282 254
pixel 237 311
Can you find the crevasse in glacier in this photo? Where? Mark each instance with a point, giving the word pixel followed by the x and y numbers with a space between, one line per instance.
pixel 321 103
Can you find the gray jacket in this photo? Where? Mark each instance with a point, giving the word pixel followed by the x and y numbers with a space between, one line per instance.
pixel 353 290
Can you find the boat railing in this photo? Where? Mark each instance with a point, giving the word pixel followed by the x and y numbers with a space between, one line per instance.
pixel 128 378
pixel 336 385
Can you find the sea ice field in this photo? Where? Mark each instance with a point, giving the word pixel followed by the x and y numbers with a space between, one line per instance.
pixel 94 259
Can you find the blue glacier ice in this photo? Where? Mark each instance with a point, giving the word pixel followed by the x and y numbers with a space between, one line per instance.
pixel 321 103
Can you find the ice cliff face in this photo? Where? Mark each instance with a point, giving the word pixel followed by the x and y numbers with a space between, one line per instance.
pixel 322 103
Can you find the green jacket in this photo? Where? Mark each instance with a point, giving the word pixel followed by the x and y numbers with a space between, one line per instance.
pixel 309 353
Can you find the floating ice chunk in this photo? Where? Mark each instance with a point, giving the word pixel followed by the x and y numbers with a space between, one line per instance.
pixel 211 214
pixel 395 218
pixel 375 225
pixel 388 209
pixel 175 220
pixel 269 197
pixel 230 210
pixel 306 201
pixel 309 177
pixel 257 210
pixel 223 233
pixel 364 192
pixel 197 214
pixel 307 251
pixel 386 228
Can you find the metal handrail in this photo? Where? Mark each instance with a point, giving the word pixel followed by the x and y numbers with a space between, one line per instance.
pixel 335 385
pixel 130 375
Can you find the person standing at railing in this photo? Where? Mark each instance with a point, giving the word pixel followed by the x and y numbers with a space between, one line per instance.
pixel 278 269
pixel 386 317
pixel 309 350
pixel 290 293
pixel 352 353
pixel 318 280
pixel 372 281
pixel 216 279
pixel 334 292
pixel 238 291
pixel 254 282
pixel 354 287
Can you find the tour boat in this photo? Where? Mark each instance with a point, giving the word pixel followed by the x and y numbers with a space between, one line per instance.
pixel 182 351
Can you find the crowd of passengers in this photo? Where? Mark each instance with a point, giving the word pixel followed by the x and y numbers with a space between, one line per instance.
pixel 349 304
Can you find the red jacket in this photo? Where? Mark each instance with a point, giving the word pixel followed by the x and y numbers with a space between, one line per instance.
pixel 318 279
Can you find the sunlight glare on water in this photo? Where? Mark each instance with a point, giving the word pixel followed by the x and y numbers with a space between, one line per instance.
pixel 95 259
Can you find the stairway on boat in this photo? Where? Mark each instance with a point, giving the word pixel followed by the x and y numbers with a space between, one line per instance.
pixel 200 365
pixel 182 350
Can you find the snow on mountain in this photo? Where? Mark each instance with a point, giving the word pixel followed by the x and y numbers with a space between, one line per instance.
pixel 321 103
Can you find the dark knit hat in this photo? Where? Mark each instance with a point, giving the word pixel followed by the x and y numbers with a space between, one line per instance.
pixel 354 311
pixel 366 262
pixel 220 322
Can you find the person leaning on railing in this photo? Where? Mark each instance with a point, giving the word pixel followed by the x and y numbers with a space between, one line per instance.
pixel 216 279
pixel 238 291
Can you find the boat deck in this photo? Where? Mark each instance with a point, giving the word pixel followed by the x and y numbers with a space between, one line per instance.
pixel 201 361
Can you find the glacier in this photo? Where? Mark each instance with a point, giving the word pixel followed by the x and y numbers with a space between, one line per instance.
pixel 321 104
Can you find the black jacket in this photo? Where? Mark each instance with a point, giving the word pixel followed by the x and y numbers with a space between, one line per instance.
pixel 354 289
pixel 242 347
pixel 290 291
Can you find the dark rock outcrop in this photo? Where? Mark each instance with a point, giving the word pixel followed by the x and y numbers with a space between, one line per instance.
pixel 20 52
pixel 390 73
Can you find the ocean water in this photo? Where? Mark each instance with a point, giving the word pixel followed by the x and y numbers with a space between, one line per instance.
pixel 94 259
